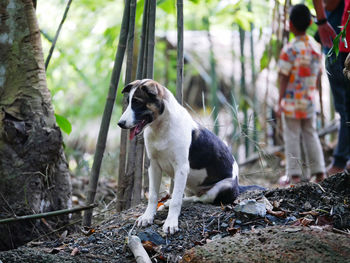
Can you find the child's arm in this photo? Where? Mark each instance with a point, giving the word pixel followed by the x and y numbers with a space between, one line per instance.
pixel 283 82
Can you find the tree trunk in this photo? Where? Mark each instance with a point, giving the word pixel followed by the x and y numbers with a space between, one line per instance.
pixel 34 174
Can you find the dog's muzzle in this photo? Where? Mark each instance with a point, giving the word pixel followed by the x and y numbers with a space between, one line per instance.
pixel 121 124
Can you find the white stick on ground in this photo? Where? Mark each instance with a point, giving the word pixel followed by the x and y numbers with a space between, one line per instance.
pixel 140 254
pixel 135 245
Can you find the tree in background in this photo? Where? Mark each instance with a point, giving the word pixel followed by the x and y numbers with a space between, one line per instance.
pixel 34 174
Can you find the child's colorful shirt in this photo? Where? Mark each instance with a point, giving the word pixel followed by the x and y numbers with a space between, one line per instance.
pixel 301 61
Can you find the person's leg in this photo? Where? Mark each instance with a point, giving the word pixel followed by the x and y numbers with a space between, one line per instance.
pixel 339 85
pixel 313 148
pixel 347 110
pixel 291 136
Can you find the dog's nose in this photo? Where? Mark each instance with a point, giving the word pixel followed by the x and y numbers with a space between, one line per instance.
pixel 121 124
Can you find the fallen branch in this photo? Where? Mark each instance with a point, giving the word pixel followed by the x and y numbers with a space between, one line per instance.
pixel 135 245
pixel 47 214
pixel 336 230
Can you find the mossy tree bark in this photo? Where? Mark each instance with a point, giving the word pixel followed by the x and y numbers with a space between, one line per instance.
pixel 34 174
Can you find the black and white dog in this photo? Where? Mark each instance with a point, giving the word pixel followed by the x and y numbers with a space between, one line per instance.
pixel 199 162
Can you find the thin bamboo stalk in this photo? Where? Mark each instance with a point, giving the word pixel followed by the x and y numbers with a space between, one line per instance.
pixel 213 78
pixel 151 38
pixel 147 72
pixel 253 71
pixel 123 180
pixel 180 52
pixel 143 40
pixel 138 158
pixel 106 118
pixel 47 61
pixel 134 149
pixel 47 214
pixel 244 93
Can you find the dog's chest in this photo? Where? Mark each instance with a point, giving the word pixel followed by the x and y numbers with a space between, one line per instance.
pixel 161 154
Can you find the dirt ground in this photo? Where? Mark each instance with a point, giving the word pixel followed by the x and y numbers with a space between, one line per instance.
pixel 305 223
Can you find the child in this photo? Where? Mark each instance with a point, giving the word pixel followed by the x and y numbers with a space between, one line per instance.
pixel 299 72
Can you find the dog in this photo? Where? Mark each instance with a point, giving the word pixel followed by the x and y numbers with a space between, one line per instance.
pixel 200 164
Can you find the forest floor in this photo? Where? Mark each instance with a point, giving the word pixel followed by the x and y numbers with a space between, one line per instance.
pixel 304 223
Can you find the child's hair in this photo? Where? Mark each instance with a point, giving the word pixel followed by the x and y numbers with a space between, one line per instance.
pixel 300 17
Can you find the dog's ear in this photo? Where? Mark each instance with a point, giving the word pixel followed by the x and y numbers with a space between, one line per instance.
pixel 151 89
pixel 128 87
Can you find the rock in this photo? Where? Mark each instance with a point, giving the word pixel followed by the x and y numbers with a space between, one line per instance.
pixel 251 207
pixel 224 225
pixel 150 235
pixel 307 206
pixel 267 203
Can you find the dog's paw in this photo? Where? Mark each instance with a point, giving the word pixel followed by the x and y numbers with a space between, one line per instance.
pixel 145 220
pixel 171 226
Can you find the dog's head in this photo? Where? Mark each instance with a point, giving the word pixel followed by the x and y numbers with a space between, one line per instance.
pixel 145 104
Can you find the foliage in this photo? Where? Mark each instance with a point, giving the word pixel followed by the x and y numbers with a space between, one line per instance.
pixel 80 69
pixel 63 123
pixel 341 36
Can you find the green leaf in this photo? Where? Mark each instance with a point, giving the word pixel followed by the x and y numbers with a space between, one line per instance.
pixel 336 40
pixel 271 52
pixel 265 60
pixel 63 123
pixel 167 6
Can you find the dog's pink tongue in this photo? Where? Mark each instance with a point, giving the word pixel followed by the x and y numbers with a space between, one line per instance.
pixel 132 133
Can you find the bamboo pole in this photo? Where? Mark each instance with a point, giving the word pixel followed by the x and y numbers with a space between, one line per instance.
pixel 143 40
pixel 47 214
pixel 106 118
pixel 213 78
pixel 138 158
pixel 134 149
pixel 47 61
pixel 253 71
pixel 147 72
pixel 123 179
pixel 151 38
pixel 180 52
pixel 244 92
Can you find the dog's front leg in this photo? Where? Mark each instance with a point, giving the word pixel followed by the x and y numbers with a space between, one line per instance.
pixel 180 179
pixel 155 176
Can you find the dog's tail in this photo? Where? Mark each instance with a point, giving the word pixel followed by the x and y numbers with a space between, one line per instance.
pixel 245 188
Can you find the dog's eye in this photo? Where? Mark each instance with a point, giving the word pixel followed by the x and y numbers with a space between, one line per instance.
pixel 136 102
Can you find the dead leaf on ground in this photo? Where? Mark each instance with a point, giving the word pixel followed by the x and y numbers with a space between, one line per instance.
pixel 88 231
pixel 74 252
pixel 149 245
pixel 280 214
pixel 312 212
pixel 165 198
pixel 303 222
pixel 276 204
